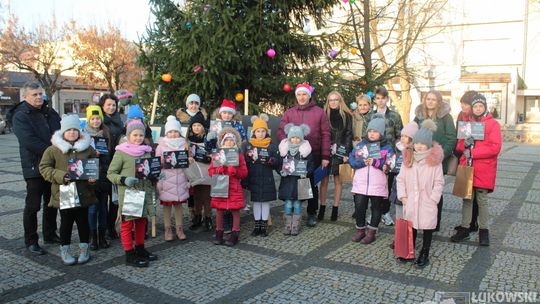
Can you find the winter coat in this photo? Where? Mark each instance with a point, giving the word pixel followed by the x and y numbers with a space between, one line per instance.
pixel 461 117
pixel 445 134
pixel 116 128
pixel 104 185
pixel 34 129
pixel 53 167
pixel 317 120
pixel 484 154
pixel 173 185
pixel 371 180
pixel 235 201
pixel 422 186
pixel 360 123
pixel 288 187
pixel 260 179
pixel 184 117
pixel 123 165
pixel 393 126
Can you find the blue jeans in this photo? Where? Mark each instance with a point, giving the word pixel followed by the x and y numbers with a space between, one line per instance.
pixel 293 207
pixel 97 213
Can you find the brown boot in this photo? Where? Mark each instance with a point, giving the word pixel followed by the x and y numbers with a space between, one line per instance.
pixel 359 234
pixel 180 233
pixel 219 237
pixel 233 239
pixel 168 233
pixel 370 236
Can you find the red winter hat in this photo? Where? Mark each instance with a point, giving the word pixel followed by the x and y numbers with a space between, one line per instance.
pixel 303 87
pixel 227 106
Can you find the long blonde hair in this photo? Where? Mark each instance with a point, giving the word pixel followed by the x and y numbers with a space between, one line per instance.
pixel 424 109
pixel 343 108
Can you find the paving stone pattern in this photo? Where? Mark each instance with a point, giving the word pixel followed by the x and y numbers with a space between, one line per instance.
pixel 321 265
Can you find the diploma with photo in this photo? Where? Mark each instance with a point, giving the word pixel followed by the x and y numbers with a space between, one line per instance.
pixel 296 167
pixel 83 169
pixel 175 159
pixel 374 150
pixel 199 153
pixel 341 151
pixel 217 125
pixel 100 144
pixel 474 129
pixel 147 168
pixel 225 157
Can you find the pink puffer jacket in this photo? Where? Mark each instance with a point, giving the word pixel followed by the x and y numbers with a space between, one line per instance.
pixel 174 186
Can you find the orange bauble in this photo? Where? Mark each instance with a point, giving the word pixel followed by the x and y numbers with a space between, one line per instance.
pixel 166 77
pixel 239 97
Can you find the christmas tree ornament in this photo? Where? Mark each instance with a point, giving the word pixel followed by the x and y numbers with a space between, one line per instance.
pixel 306 29
pixel 370 94
pixel 311 89
pixel 166 77
pixel 271 53
pixel 351 1
pixel 206 7
pixel 188 25
pixel 345 1
pixel 332 54
pixel 354 51
pixel 197 69
pixel 286 88
pixel 239 97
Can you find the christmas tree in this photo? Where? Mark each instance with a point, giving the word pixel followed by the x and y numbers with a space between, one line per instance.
pixel 217 48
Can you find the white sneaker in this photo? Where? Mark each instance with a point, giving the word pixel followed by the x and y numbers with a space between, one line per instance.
pixel 387 219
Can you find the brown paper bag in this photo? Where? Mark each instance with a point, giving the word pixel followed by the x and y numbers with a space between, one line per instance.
pixel 346 173
pixel 463 184
pixel 453 163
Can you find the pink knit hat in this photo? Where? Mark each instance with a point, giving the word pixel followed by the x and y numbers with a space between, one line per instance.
pixel 410 129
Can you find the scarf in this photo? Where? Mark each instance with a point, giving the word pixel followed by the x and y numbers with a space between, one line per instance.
pixel 133 150
pixel 92 131
pixel 336 121
pixel 196 138
pixel 174 143
pixel 293 149
pixel 420 156
pixel 191 113
pixel 260 143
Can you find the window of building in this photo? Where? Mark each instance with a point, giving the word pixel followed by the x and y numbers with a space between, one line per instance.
pixel 494 101
pixel 532 110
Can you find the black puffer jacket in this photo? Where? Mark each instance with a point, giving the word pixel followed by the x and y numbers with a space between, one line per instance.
pixel 116 128
pixel 342 136
pixel 34 129
pixel 260 180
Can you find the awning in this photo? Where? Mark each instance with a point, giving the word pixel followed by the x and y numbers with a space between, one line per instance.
pixel 486 77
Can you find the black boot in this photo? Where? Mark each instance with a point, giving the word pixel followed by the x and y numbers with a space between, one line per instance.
pixel 264 228
pixel 145 254
pixel 257 228
pixel 133 260
pixel 196 222
pixel 219 237
pixel 333 217
pixel 208 225
pixel 111 221
pixel 473 227
pixel 94 240
pixel 322 209
pixel 462 234
pixel 423 259
pixel 233 239
pixel 311 220
pixel 483 237
pixel 102 241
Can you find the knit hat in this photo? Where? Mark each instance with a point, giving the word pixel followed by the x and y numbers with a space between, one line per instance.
pixel 70 121
pixel 377 123
pixel 134 124
pixel 135 111
pixel 172 124
pixel 410 129
pixel 297 131
pixel 193 98
pixel 479 98
pixel 227 135
pixel 303 87
pixel 92 110
pixel 425 134
pixel 259 122
pixel 198 118
pixel 227 106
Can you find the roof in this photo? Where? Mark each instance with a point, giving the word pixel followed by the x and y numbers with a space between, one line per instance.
pixel 18 79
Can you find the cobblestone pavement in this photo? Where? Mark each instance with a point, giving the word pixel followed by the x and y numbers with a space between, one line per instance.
pixel 320 265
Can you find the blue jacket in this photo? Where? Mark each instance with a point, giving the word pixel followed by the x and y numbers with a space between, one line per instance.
pixel 34 129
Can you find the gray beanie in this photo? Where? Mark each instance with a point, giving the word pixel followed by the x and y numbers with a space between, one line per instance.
pixel 425 134
pixel 377 123
pixel 296 131
pixel 70 121
pixel 193 97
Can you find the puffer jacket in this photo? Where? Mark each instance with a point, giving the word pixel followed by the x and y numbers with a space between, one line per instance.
pixel 422 186
pixel 371 180
pixel 53 167
pixel 343 136
pixel 173 185
pixel 393 126
pixel 260 180
pixel 34 129
pixel 288 186
pixel 116 128
pixel 445 134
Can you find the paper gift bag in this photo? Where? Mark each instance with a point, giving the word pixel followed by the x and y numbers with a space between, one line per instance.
pixel 346 173
pixel 453 163
pixel 403 239
pixel 133 203
pixel 220 186
pixel 114 194
pixel 197 174
pixel 304 189
pixel 463 184
pixel 69 197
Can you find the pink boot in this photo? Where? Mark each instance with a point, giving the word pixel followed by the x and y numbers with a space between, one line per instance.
pixel 370 237
pixel 168 234
pixel 359 234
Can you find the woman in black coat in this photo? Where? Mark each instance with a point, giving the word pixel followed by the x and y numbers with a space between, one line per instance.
pixel 341 137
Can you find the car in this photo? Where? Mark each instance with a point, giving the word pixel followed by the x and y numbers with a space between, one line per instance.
pixel 3 125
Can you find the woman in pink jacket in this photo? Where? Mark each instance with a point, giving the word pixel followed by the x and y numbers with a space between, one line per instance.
pixel 420 185
pixel 173 186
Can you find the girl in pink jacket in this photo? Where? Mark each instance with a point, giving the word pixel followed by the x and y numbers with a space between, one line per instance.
pixel 173 187
pixel 420 185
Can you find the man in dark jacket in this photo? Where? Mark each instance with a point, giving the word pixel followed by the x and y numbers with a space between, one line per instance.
pixel 34 123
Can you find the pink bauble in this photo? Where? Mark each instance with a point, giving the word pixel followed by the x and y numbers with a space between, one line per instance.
pixel 271 53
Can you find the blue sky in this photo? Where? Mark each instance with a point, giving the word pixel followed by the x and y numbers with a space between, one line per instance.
pixel 130 16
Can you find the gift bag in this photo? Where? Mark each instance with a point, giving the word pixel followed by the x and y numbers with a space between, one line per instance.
pixel 403 239
pixel 346 173
pixel 133 203
pixel 197 174
pixel 304 189
pixel 69 197
pixel 114 194
pixel 453 163
pixel 220 186
pixel 463 184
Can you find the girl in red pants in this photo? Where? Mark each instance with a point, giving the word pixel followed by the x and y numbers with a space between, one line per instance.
pixel 122 173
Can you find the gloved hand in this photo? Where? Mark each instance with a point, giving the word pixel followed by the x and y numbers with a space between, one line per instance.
pixel 211 135
pixel 231 171
pixel 467 154
pixel 131 181
pixel 270 161
pixel 283 173
pixel 469 142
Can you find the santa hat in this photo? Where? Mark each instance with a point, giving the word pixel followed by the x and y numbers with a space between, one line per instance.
pixel 227 106
pixel 172 124
pixel 303 87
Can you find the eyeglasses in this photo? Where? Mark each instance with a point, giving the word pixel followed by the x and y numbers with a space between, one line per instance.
pixel 334 99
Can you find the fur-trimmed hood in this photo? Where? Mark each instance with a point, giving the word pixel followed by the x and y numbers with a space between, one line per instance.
pixel 435 157
pixel 230 130
pixel 80 145
pixel 304 149
pixel 184 117
pixel 443 111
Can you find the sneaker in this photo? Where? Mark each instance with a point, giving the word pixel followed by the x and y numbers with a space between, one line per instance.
pixel 387 219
